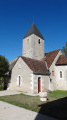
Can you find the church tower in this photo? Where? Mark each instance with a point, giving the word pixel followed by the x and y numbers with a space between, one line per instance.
pixel 33 43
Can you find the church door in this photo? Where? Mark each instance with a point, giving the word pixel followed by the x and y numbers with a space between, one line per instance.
pixel 39 84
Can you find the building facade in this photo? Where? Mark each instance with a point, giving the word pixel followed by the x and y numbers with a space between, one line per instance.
pixel 35 72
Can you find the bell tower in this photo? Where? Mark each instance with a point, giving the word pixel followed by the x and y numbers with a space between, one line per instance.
pixel 33 43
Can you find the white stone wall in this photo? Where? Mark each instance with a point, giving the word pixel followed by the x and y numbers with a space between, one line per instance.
pixel 44 83
pixel 23 70
pixel 31 47
pixel 53 83
pixel 61 82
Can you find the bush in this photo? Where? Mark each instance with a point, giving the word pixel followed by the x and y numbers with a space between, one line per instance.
pixel 1 79
pixel 1 87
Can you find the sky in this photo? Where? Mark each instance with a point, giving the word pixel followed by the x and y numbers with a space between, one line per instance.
pixel 16 17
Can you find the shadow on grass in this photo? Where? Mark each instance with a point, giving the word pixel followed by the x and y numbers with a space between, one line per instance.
pixel 56 109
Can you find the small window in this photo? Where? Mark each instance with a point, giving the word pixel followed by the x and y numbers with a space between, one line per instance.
pixel 52 73
pixel 50 80
pixel 39 41
pixel 28 40
pixel 60 74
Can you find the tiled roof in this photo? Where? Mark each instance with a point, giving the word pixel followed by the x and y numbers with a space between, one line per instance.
pixel 49 57
pixel 35 65
pixel 33 30
pixel 62 60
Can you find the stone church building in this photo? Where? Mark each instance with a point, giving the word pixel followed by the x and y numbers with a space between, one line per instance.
pixel 36 71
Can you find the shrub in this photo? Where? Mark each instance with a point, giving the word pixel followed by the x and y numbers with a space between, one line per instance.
pixel 1 87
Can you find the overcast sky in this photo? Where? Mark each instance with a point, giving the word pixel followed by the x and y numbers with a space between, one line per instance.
pixel 16 17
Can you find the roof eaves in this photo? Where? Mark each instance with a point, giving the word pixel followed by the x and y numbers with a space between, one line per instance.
pixel 41 73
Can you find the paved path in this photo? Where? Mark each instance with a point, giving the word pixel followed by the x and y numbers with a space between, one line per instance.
pixel 12 92
pixel 11 112
pixel 9 92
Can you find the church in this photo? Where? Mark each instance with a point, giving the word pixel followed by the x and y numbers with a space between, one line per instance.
pixel 36 71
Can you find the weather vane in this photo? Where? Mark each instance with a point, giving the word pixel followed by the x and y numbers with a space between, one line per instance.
pixel 33 19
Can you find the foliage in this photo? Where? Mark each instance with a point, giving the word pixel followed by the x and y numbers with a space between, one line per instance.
pixel 1 80
pixel 64 50
pixel 1 87
pixel 4 66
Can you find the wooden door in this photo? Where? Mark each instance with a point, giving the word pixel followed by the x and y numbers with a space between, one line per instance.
pixel 39 85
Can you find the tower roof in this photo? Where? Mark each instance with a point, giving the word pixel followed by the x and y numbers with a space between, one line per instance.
pixel 33 30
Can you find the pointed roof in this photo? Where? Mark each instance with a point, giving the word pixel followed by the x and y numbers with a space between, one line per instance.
pixel 33 30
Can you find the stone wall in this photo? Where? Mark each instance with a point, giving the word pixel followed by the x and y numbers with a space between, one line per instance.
pixel 32 48
pixel 22 70
pixel 53 81
pixel 61 82
pixel 44 83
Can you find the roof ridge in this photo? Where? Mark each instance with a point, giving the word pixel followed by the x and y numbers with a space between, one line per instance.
pixel 31 58
pixel 53 51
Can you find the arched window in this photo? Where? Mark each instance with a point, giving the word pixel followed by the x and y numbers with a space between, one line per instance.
pixel 60 74
pixel 19 80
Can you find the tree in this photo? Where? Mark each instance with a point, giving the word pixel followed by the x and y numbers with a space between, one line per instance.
pixel 64 50
pixel 4 69
pixel 4 66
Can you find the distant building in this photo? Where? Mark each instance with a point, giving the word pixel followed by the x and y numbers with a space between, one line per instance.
pixel 35 71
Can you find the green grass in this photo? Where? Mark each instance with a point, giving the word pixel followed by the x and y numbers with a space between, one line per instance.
pixel 57 100
pixel 21 100
pixel 32 102
pixel 57 95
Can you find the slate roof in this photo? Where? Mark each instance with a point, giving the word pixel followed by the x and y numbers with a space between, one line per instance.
pixel 33 30
pixel 35 65
pixel 49 57
pixel 62 60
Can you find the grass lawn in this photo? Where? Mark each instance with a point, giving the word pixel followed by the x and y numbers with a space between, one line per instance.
pixel 56 105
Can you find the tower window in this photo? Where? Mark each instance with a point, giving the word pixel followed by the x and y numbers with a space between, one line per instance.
pixel 39 41
pixel 28 40
pixel 50 80
pixel 60 74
